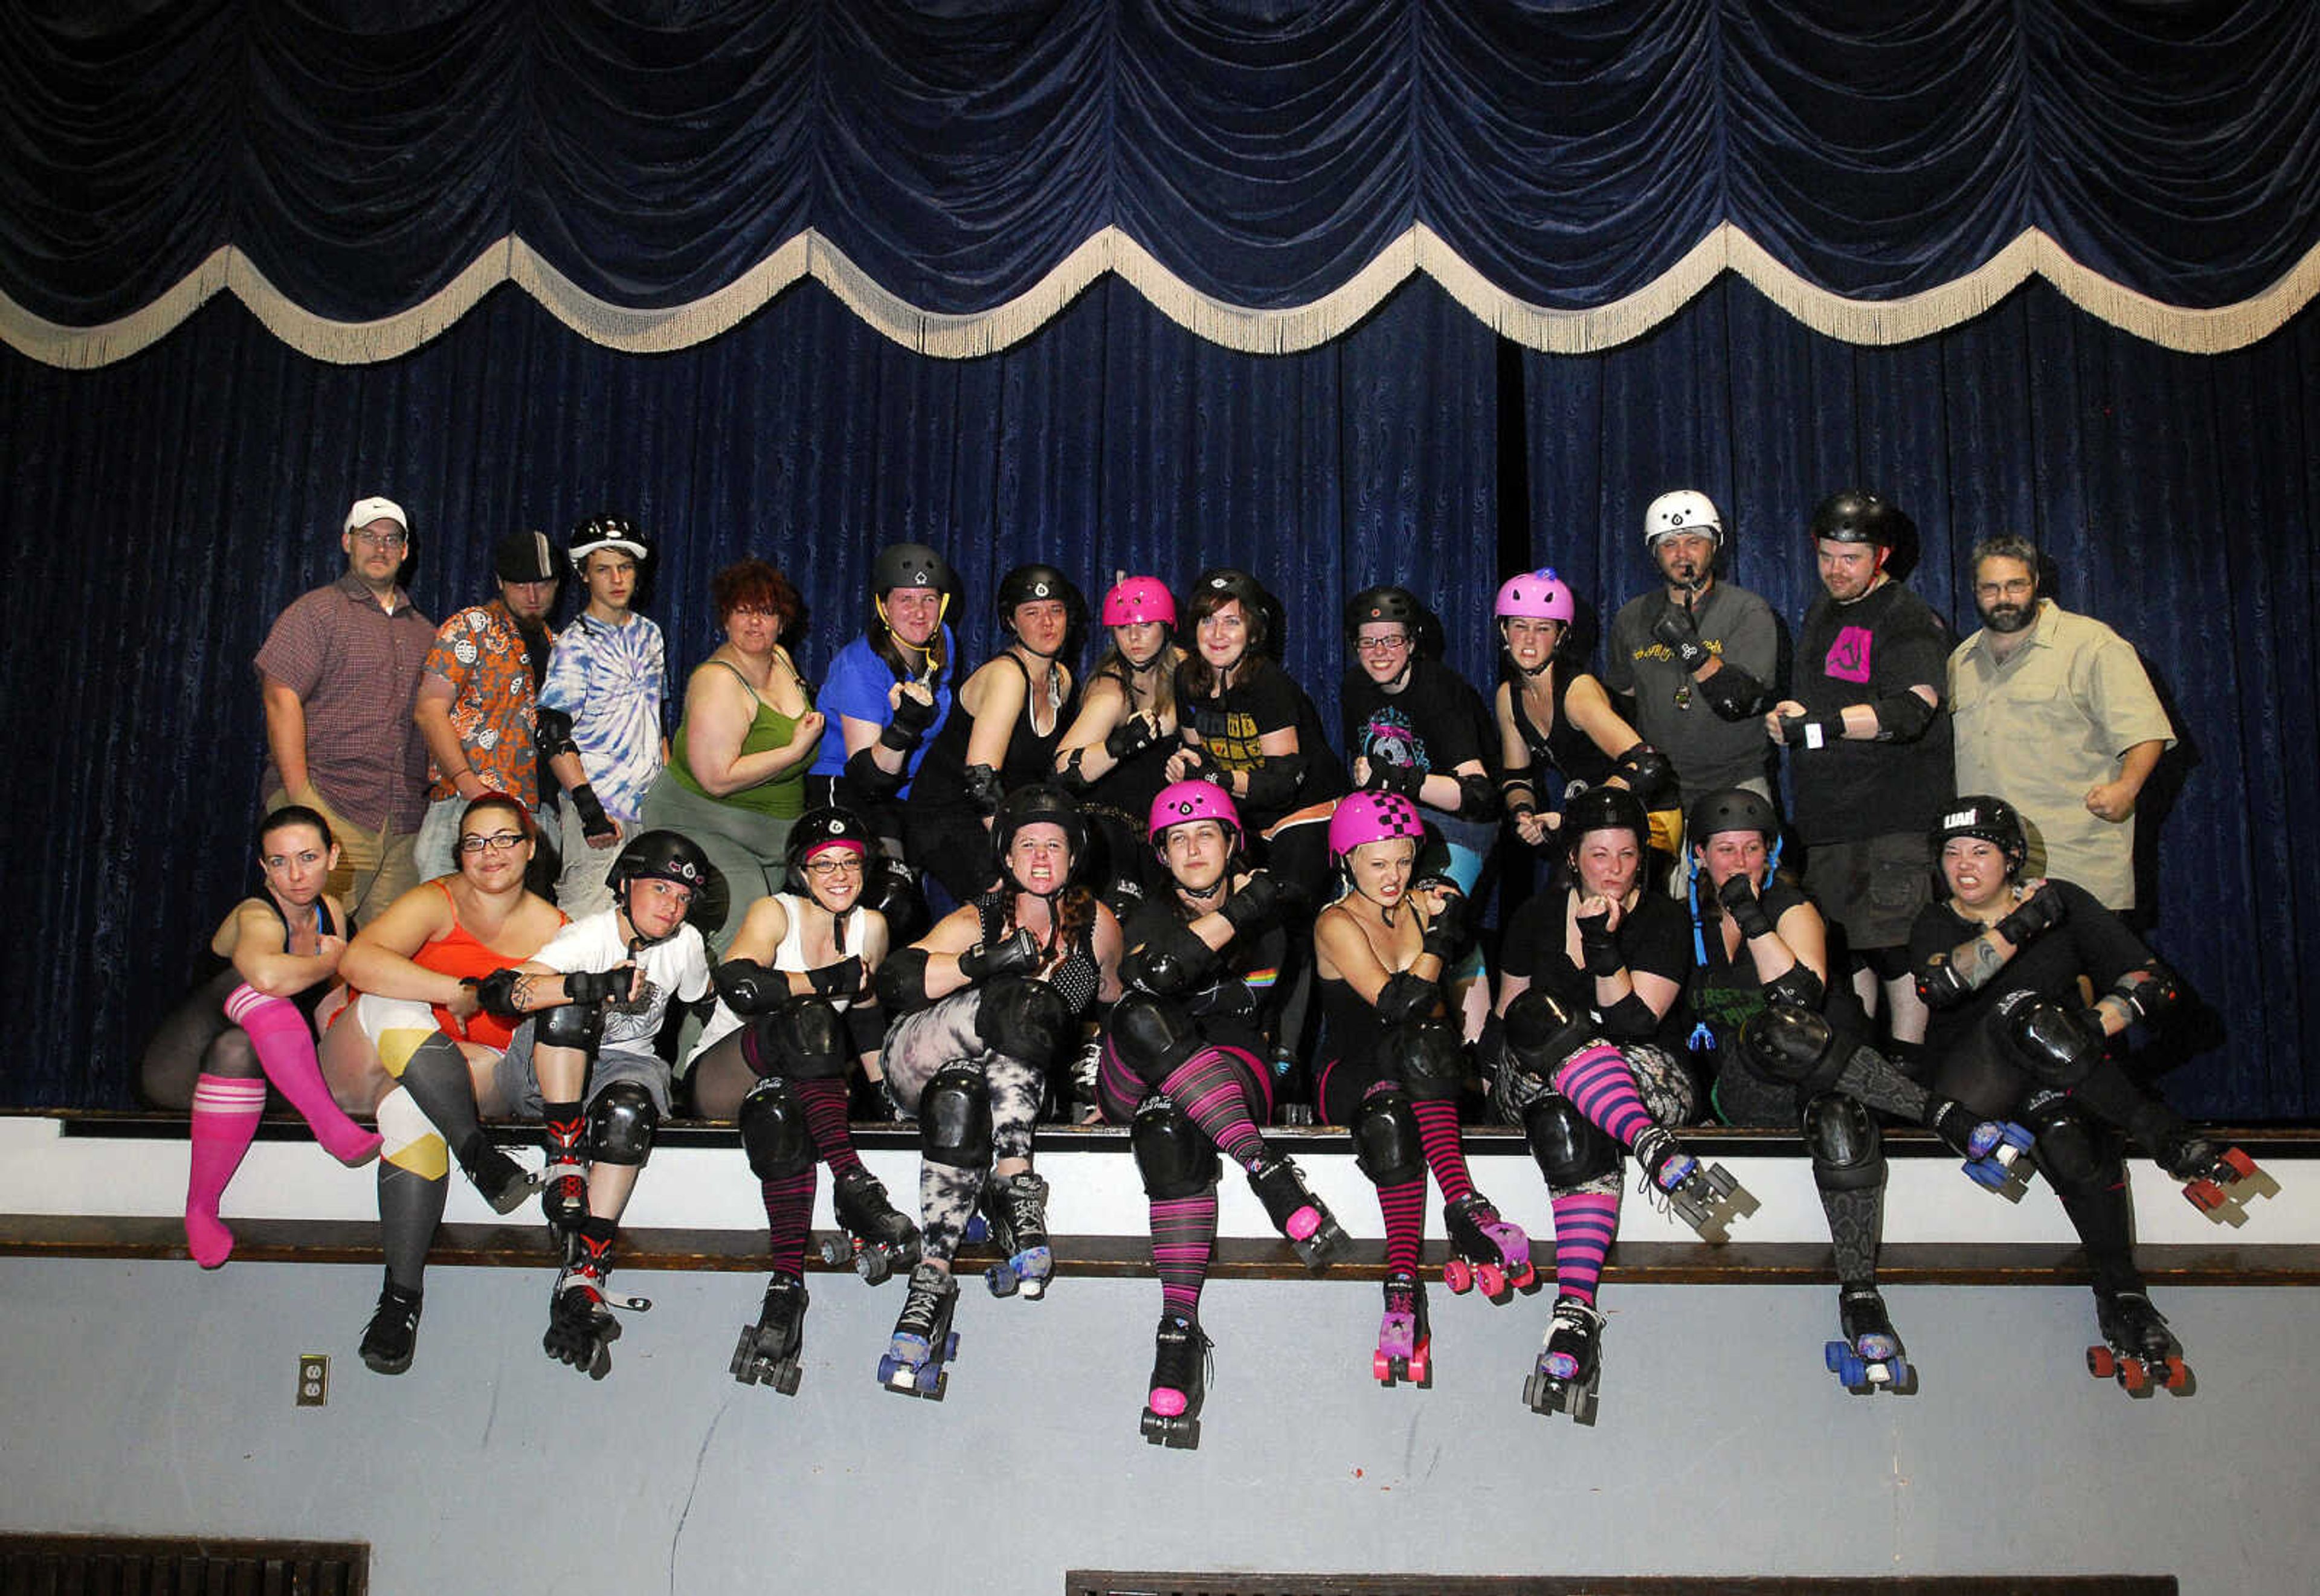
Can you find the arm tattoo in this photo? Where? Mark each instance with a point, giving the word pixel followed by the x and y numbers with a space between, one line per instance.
pixel 1977 962
pixel 521 994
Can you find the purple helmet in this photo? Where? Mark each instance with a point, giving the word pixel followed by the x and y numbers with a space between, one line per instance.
pixel 1181 803
pixel 1139 599
pixel 1371 817
pixel 1538 595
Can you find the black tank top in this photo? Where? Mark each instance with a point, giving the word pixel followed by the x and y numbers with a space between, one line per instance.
pixel 208 965
pixel 1031 756
pixel 1563 748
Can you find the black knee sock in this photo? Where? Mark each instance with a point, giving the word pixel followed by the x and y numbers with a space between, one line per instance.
pixel 410 1208
pixel 1856 1220
pixel 2105 1225
pixel 438 1080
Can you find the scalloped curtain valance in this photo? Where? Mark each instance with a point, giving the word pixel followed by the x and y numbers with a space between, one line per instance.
pixel 1264 174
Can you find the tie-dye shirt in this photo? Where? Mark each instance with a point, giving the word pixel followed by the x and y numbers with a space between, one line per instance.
pixel 611 680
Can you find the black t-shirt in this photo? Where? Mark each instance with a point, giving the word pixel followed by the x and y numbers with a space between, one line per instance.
pixel 1429 725
pixel 1725 994
pixel 1231 724
pixel 2091 941
pixel 1239 1005
pixel 1655 939
pixel 1857 653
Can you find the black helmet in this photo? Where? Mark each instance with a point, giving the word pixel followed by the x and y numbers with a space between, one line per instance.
pixel 1733 809
pixel 671 855
pixel 1230 582
pixel 1040 801
pixel 907 565
pixel 1029 584
pixel 1606 809
pixel 1856 516
pixel 604 532
pixel 818 829
pixel 1992 820
pixel 1396 605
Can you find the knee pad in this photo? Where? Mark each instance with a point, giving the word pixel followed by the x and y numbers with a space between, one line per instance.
pixel 955 1119
pixel 774 1131
pixel 408 1139
pixel 1541 1033
pixel 1798 985
pixel 1025 1020
pixel 804 1038
pixel 570 1025
pixel 2070 1151
pixel 1848 1153
pixel 2059 1046
pixel 1386 1144
pixel 621 1121
pixel 1425 1054
pixel 1172 1156
pixel 866 1028
pixel 1571 1149
pixel 1786 1045
pixel 1152 1038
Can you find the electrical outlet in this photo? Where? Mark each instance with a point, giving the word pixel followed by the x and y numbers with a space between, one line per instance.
pixel 313 1379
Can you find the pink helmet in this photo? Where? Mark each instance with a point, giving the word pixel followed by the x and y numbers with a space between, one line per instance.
pixel 1371 817
pixel 1182 802
pixel 1538 595
pixel 1139 599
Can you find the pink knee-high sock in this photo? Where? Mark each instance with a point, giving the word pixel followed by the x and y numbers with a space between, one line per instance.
pixel 1403 1208
pixel 1585 1224
pixel 1438 1134
pixel 286 1051
pixel 1184 1232
pixel 1598 1082
pixel 225 1117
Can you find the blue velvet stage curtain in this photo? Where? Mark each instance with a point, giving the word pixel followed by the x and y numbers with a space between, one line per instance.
pixel 158 511
pixel 361 154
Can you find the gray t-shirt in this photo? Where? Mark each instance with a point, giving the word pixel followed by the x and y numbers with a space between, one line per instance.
pixel 1671 712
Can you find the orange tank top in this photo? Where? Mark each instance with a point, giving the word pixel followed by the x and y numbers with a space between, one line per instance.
pixel 459 953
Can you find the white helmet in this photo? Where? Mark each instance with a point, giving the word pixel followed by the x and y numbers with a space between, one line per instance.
pixel 1686 509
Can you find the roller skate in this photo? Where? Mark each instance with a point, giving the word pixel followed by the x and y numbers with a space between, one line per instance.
pixel 1869 1359
pixel 2142 1353
pixel 1171 1413
pixel 1994 1150
pixel 1704 1196
pixel 581 1328
pixel 392 1336
pixel 767 1353
pixel 1484 1250
pixel 2217 1181
pixel 564 1181
pixel 1569 1363
pixel 1405 1339
pixel 1016 1207
pixel 879 1240
pixel 1295 1211
pixel 503 1182
pixel 924 1342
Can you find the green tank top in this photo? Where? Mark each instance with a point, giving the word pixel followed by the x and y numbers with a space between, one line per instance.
pixel 781 799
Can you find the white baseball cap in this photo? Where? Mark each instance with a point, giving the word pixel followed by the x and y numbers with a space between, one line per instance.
pixel 375 508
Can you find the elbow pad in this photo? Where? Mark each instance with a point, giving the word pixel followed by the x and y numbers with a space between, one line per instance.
pixel 1173 961
pixel 1630 1019
pixel 1646 770
pixel 1521 797
pixel 1902 717
pixel 748 987
pixel 902 981
pixel 1941 985
pixel 983 788
pixel 873 780
pixel 1796 985
pixel 1478 800
pixel 1273 784
pixel 552 729
pixel 1406 996
pixel 1073 779
pixel 1733 694
pixel 2157 992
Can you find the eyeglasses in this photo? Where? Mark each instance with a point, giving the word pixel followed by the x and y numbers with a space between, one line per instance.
pixel 498 842
pixel 370 540
pixel 1382 645
pixel 2019 587
pixel 823 869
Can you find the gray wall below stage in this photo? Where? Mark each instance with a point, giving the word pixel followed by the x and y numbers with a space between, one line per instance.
pixel 149 1398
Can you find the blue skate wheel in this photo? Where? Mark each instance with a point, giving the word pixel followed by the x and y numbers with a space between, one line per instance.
pixel 887 1364
pixel 1833 1354
pixel 978 1228
pixel 950 1347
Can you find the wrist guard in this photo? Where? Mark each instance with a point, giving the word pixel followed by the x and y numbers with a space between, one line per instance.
pixel 593 821
pixel 1015 955
pixel 840 980
pixel 1739 899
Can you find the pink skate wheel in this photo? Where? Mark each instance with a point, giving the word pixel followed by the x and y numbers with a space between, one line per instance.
pixel 1167 1402
pixel 1493 1282
pixel 1303 1223
pixel 1458 1276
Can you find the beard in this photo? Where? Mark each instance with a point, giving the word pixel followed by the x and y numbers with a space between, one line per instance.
pixel 2006 619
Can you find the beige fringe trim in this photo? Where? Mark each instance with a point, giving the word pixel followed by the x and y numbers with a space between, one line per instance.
pixel 1237 327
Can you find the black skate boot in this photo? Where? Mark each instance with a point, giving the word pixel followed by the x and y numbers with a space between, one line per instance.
pixel 2217 1180
pixel 1295 1211
pixel 1485 1250
pixel 392 1338
pixel 1569 1363
pixel 581 1328
pixel 504 1183
pixel 923 1343
pixel 1017 1208
pixel 768 1351
pixel 1405 1347
pixel 1171 1413
pixel 1869 1359
pixel 1704 1196
pixel 2142 1355
pixel 880 1241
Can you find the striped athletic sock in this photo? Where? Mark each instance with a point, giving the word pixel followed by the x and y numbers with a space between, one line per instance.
pixel 1403 1205
pixel 1212 1091
pixel 824 1102
pixel 789 1211
pixel 225 1118
pixel 1437 1133
pixel 1183 1229
pixel 1597 1082
pixel 1585 1224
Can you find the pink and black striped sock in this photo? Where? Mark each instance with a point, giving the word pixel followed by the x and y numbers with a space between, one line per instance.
pixel 1213 1093
pixel 1597 1082
pixel 225 1117
pixel 789 1213
pixel 824 1102
pixel 1437 1133
pixel 1184 1232
pixel 1585 1224
pixel 1403 1205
